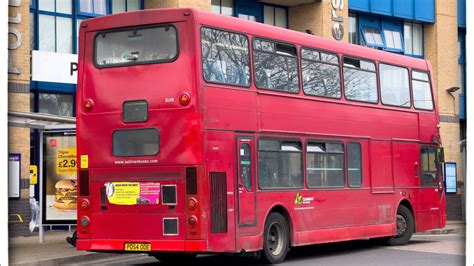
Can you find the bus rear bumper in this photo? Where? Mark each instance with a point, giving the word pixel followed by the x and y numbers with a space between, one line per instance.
pixel 156 245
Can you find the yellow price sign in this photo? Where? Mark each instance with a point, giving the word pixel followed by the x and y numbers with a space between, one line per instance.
pixel 66 161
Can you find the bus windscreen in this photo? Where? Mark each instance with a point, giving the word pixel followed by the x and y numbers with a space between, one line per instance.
pixel 136 46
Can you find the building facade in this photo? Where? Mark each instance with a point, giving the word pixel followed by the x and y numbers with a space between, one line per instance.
pixel 45 31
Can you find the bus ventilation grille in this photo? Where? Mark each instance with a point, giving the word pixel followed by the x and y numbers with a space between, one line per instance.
pixel 218 203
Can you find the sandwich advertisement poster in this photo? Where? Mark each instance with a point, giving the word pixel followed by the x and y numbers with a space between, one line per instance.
pixel 60 174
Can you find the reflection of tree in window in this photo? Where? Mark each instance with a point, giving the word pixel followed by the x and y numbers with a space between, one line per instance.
pixel 276 66
pixel 225 57
pixel 360 80
pixel 320 74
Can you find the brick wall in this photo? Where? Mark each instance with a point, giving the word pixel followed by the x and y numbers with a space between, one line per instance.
pixel 441 49
pixel 202 4
pixel 317 17
pixel 19 100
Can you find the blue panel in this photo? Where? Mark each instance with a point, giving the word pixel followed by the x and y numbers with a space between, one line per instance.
pixel 360 5
pixel 404 9
pixel 249 7
pixel 462 106
pixel 425 10
pixel 462 13
pixel 370 22
pixel 382 7
pixel 52 87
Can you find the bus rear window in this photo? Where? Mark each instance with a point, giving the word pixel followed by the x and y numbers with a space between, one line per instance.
pixel 135 46
pixel 136 142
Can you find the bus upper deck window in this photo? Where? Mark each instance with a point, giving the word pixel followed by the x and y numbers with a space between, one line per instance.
pixel 135 46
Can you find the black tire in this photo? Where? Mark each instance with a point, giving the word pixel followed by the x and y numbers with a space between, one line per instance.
pixel 405 227
pixel 276 239
pixel 174 258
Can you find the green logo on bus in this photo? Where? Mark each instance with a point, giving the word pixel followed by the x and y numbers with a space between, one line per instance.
pixel 298 198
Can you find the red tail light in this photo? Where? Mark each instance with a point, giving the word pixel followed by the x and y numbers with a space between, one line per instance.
pixel 85 204
pixel 192 221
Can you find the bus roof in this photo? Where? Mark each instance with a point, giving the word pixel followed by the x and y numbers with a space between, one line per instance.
pixel 150 16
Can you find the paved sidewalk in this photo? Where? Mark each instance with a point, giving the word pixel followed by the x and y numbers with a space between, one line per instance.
pixel 56 251
pixel 452 227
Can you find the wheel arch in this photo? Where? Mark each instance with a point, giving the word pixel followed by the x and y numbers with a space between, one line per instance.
pixel 405 202
pixel 279 208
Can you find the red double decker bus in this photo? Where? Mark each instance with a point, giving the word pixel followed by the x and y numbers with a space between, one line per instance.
pixel 199 133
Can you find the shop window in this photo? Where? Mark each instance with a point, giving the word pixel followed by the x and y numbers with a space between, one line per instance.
pixel 413 38
pixel 32 31
pixel 58 6
pixel 353 28
pixel 119 6
pixel 392 32
pixel 276 16
pixel 55 34
pixel 95 7
pixel 371 32
pixel 56 104
pixel 223 7
pixel 381 33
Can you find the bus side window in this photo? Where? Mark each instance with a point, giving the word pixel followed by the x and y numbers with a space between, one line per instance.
pixel 325 164
pixel 422 97
pixel 394 85
pixel 275 66
pixel 225 57
pixel 354 164
pixel 429 166
pixel 320 72
pixel 360 80
pixel 280 164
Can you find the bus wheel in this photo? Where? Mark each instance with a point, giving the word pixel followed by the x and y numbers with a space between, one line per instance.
pixel 405 227
pixel 276 239
pixel 171 257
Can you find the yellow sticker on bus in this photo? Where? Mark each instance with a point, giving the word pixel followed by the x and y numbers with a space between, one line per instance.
pixel 84 161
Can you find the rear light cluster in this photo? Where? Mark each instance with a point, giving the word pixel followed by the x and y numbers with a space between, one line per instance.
pixel 193 205
pixel 84 210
